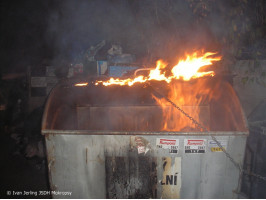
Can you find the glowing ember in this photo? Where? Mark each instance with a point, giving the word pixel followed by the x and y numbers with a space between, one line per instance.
pixel 186 69
pixel 81 84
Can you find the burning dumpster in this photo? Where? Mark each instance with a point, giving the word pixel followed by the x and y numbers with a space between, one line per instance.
pixel 161 139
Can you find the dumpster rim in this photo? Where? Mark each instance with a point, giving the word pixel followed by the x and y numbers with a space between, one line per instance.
pixel 175 133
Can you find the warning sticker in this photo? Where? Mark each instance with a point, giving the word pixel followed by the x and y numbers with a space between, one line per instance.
pixel 195 145
pixel 171 144
pixel 214 146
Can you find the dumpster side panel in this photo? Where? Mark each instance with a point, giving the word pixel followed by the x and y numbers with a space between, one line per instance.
pixel 76 165
pixel 128 166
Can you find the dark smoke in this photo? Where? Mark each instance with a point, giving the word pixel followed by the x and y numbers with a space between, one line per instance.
pixel 32 31
pixel 155 29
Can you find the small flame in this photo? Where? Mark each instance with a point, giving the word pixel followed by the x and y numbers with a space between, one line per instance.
pixel 157 74
pixel 186 69
pixel 81 84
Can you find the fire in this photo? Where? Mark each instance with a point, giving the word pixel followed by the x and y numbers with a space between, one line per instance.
pixel 81 84
pixel 185 69
pixel 193 98
pixel 211 102
pixel 117 81
pixel 157 74
pixel 188 96
pixel 189 68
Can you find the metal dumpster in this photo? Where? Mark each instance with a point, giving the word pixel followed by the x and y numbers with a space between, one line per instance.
pixel 107 142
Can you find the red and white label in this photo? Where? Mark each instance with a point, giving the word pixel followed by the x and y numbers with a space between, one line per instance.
pixel 167 142
pixel 171 144
pixel 195 145
pixel 195 142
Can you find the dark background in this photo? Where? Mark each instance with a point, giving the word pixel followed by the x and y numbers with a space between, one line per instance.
pixel 33 32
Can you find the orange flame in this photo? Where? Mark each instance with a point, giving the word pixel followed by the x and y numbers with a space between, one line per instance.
pixel 190 67
pixel 81 84
pixel 186 69
pixel 191 97
pixel 213 103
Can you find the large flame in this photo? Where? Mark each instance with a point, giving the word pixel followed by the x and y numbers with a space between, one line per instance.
pixel 192 98
pixel 189 68
pixel 186 69
pixel 211 102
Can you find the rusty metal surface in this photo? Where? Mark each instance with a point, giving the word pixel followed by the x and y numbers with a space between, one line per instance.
pixel 101 166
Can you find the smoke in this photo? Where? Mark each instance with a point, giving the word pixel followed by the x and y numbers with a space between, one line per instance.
pixel 74 27
pixel 158 29
pixel 151 28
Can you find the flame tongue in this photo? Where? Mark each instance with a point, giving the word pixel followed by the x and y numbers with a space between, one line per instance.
pixel 190 67
pixel 157 74
pixel 185 69
pixel 129 82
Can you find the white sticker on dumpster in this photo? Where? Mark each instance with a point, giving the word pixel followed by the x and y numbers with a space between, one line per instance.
pixel 195 145
pixel 214 146
pixel 171 144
